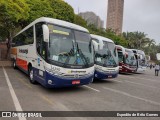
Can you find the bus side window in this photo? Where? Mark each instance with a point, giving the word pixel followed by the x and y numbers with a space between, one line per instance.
pixel 28 36
pixel 40 44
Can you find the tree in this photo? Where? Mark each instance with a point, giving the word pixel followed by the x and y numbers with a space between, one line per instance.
pixel 139 40
pixel 119 40
pixel 3 33
pixel 80 21
pixel 38 8
pixel 62 10
pixel 11 12
pixel 136 39
pixel 128 36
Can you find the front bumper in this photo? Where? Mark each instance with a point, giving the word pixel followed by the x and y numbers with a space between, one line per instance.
pixel 65 82
pixel 125 69
pixel 100 75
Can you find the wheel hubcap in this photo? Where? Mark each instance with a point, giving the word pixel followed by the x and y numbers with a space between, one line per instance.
pixel 31 75
pixel 14 64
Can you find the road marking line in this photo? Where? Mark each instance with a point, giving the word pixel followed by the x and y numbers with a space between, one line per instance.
pixel 140 78
pixel 13 94
pixel 122 81
pixel 28 85
pixel 91 88
pixel 42 96
pixel 140 84
pixel 129 95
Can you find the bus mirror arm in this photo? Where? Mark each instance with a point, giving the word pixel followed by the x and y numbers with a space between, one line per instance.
pixel 95 44
pixel 101 45
pixel 45 33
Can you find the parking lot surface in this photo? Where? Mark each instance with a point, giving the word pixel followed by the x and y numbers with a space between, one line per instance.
pixel 128 92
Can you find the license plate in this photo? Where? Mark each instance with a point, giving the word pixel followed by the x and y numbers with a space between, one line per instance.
pixel 75 82
pixel 110 76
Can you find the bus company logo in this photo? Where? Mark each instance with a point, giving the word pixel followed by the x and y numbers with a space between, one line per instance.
pixel 23 51
pixel 75 71
pixel 55 69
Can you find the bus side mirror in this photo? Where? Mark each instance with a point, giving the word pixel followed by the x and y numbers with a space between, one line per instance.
pixel 45 33
pixel 126 55
pixel 101 45
pixel 95 44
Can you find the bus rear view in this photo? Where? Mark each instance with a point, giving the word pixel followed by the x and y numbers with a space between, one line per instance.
pixel 59 53
pixel 106 58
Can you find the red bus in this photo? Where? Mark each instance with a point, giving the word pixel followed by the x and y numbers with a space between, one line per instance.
pixel 127 60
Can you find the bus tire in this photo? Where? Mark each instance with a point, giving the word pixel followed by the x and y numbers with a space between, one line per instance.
pixel 14 64
pixel 30 73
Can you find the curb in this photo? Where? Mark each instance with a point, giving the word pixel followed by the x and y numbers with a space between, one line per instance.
pixel 5 63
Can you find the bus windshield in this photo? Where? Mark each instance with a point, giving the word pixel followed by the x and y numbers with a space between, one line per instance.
pixel 107 56
pixel 142 60
pixel 69 47
pixel 120 56
pixel 130 58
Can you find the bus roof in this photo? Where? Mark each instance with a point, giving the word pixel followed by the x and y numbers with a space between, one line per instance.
pixel 128 50
pixel 123 48
pixel 138 51
pixel 101 38
pixel 120 47
pixel 56 22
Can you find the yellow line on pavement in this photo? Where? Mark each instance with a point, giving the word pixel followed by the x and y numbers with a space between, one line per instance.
pixel 46 99
pixel 42 96
pixel 28 85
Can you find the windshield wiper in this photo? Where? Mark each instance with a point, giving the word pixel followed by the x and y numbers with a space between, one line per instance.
pixel 68 57
pixel 69 54
pixel 110 59
pixel 82 56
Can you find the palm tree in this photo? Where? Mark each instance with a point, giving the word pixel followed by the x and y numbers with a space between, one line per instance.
pixel 136 39
pixel 139 40
pixel 129 37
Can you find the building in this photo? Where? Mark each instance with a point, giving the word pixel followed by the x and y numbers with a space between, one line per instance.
pixel 92 18
pixel 115 15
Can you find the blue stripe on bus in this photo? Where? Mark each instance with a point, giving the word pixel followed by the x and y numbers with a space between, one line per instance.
pixel 58 82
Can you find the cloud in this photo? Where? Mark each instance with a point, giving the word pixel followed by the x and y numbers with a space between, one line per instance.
pixel 142 15
pixel 139 15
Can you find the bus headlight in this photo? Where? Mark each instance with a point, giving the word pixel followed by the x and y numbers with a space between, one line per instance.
pixel 96 75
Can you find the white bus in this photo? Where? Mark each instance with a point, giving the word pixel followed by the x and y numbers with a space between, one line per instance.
pixel 54 53
pixel 141 60
pixel 106 58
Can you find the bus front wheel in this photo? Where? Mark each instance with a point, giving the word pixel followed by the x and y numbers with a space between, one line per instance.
pixel 30 71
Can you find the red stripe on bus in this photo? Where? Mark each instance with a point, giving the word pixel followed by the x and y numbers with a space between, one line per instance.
pixel 22 63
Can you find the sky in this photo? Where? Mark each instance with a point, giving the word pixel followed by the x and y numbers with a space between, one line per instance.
pixel 139 15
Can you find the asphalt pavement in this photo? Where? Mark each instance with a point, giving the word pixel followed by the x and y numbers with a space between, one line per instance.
pixel 128 92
